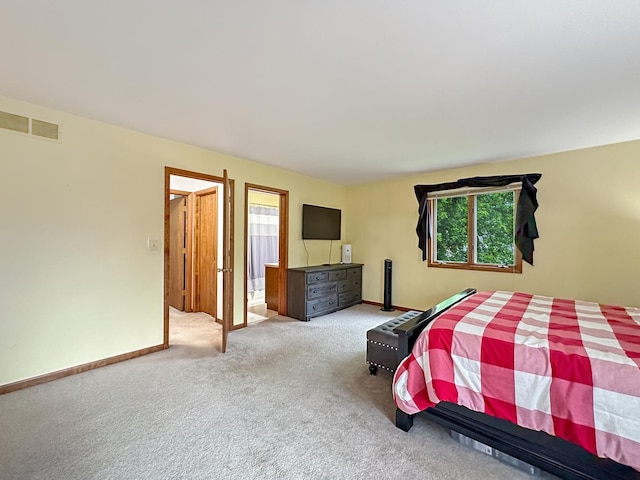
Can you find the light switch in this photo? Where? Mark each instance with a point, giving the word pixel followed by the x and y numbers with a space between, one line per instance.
pixel 153 244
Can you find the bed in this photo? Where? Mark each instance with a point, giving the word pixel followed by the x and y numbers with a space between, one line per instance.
pixel 553 382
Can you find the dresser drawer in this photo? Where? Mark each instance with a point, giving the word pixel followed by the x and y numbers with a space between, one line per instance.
pixel 337 275
pixel 354 273
pixel 349 285
pixel 321 289
pixel 322 304
pixel 317 277
pixel 348 298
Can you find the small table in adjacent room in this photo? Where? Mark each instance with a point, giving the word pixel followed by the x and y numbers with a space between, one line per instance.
pixel 271 285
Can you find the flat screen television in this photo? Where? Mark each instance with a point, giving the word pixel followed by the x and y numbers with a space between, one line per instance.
pixel 320 223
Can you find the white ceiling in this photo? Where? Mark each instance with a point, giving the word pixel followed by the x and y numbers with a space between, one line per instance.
pixel 349 91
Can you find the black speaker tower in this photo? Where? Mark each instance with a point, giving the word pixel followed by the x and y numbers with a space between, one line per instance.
pixel 387 287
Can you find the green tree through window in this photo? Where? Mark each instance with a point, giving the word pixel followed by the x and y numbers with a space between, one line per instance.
pixel 474 231
pixel 494 228
pixel 452 235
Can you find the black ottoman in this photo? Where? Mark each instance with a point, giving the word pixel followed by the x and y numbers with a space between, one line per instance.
pixel 382 344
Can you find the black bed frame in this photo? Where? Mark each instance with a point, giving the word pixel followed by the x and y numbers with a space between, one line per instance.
pixel 557 456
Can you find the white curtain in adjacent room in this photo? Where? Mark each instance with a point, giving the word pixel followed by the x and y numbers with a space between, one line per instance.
pixel 263 243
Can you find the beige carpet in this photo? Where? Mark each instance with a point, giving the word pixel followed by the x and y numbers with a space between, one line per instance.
pixel 289 400
pixel 196 329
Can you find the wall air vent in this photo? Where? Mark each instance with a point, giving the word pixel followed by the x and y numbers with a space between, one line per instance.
pixel 17 123
pixel 39 128
pixel 44 129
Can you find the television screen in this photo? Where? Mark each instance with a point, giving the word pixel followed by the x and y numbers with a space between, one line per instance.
pixel 320 223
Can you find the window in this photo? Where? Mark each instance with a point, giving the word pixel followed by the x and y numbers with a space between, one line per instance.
pixel 474 231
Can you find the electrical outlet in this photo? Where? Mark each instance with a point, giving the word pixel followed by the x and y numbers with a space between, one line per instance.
pixel 153 244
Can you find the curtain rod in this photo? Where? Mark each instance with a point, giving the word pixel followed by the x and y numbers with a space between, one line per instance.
pixel 462 192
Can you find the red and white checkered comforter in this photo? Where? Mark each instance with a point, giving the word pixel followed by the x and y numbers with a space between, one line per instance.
pixel 566 367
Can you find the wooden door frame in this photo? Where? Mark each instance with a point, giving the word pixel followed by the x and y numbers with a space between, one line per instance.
pixel 283 244
pixel 168 171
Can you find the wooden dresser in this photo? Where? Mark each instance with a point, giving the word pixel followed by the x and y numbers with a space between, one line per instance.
pixel 322 289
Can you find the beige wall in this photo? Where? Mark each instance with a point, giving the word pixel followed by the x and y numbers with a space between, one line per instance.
pixel 261 198
pixel 77 283
pixel 589 222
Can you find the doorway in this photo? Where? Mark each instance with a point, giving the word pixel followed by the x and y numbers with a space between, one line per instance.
pixel 197 267
pixel 266 252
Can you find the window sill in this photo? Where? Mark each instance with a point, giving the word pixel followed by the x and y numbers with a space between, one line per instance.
pixel 480 268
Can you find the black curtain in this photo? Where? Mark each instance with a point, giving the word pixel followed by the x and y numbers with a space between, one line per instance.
pixel 526 229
